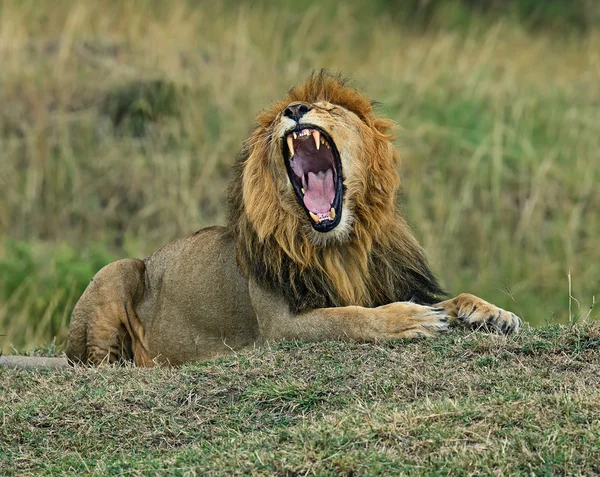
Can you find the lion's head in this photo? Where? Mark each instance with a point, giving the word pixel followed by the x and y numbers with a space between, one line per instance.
pixel 312 203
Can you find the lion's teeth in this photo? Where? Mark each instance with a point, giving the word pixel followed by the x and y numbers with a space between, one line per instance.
pixel 290 143
pixel 332 213
pixel 317 136
pixel 314 216
pixel 303 191
pixel 295 136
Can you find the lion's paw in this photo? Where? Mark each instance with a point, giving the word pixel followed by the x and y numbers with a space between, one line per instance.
pixel 490 317
pixel 433 318
pixel 410 320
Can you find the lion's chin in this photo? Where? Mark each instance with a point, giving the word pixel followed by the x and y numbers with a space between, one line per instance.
pixel 313 164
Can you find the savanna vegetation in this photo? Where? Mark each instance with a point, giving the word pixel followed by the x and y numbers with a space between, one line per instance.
pixel 120 121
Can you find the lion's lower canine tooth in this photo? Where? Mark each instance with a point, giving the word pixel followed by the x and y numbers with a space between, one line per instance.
pixel 316 136
pixel 315 217
pixel 290 142
pixel 332 213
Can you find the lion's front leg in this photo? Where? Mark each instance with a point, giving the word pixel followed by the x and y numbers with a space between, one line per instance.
pixel 356 323
pixel 476 313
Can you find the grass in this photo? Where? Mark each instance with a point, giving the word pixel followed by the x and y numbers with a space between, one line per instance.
pixel 120 122
pixel 464 404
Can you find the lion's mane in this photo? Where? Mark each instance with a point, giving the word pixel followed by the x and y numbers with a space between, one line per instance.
pixel 377 262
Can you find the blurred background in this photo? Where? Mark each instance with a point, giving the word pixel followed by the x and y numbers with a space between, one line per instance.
pixel 120 120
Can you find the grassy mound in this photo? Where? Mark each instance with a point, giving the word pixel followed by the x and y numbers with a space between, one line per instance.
pixel 460 405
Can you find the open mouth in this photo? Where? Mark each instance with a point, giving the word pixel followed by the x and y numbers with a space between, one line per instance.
pixel 315 170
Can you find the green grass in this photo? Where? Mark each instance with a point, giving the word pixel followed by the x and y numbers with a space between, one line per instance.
pixel 463 404
pixel 120 122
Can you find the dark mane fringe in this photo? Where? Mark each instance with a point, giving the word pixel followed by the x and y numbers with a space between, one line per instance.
pixel 391 264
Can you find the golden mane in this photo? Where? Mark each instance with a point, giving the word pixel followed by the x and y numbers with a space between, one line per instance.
pixel 377 263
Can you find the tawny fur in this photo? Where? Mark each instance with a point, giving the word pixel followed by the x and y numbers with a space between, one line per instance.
pixel 268 275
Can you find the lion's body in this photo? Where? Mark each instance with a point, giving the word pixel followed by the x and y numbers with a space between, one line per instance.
pixel 272 273
pixel 191 294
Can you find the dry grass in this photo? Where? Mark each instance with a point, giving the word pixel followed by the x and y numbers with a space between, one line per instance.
pixel 464 404
pixel 120 121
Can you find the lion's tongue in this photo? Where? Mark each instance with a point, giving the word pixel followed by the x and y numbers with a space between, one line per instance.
pixel 320 192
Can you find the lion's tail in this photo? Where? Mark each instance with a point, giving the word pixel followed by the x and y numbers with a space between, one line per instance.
pixel 104 326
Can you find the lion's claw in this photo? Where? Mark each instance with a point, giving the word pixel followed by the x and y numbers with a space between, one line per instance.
pixel 499 320
pixel 435 319
pixel 410 320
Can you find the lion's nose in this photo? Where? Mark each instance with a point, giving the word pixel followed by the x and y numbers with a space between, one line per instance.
pixel 296 110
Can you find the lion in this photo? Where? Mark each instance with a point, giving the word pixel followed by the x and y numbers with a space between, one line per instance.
pixel 315 248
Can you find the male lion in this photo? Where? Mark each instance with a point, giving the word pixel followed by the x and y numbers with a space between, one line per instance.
pixel 314 249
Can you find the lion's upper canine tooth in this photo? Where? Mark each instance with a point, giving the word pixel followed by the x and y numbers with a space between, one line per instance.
pixel 295 135
pixel 317 136
pixel 303 191
pixel 332 213
pixel 290 143
pixel 314 216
